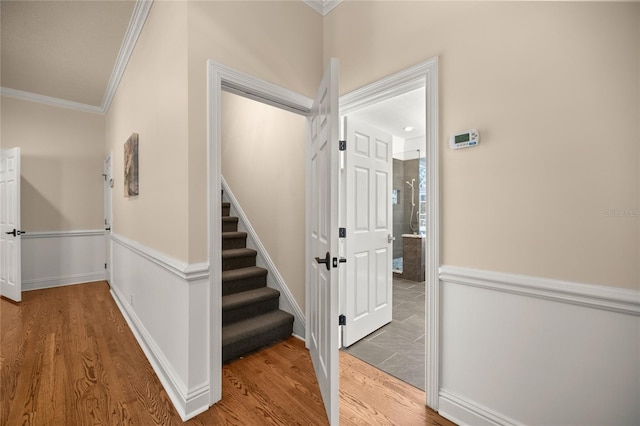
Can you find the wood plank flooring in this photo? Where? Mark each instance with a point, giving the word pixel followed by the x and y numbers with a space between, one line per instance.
pixel 67 357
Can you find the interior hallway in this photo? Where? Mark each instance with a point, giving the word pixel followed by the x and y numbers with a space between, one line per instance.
pixel 69 358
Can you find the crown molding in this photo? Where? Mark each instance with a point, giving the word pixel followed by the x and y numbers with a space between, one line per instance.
pixel 49 100
pixel 323 7
pixel 138 18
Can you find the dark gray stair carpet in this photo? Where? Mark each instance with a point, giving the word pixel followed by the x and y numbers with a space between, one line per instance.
pixel 243 279
pixel 238 258
pixel 250 315
pixel 229 224
pixel 253 333
pixel 233 240
pixel 238 306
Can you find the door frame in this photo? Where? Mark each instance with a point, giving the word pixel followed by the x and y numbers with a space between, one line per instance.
pixel 219 78
pixel 421 75
pixel 108 213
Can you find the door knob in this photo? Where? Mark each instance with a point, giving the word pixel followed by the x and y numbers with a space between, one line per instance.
pixel 15 232
pixel 390 238
pixel 326 261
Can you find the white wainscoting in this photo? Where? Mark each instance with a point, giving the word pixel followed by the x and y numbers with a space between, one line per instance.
pixel 525 350
pixel 166 303
pixel 52 259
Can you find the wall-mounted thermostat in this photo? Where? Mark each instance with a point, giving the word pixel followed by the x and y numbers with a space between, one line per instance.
pixel 464 139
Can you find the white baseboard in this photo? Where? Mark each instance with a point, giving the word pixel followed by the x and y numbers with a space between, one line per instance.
pixel 527 350
pixel 53 259
pixel 274 278
pixel 160 298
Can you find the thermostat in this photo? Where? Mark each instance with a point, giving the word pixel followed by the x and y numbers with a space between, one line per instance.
pixel 464 139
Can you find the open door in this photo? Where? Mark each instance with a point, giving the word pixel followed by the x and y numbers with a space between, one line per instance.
pixel 322 239
pixel 10 251
pixel 369 235
pixel 108 181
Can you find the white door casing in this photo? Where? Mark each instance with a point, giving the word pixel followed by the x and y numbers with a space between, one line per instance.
pixel 368 289
pixel 107 216
pixel 423 75
pixel 322 285
pixel 10 247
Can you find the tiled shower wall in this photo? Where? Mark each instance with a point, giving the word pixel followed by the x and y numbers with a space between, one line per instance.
pixel 404 171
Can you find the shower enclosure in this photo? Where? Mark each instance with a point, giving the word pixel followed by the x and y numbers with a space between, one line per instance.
pixel 409 198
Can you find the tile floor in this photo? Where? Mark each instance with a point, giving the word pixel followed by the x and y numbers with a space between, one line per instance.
pixel 398 347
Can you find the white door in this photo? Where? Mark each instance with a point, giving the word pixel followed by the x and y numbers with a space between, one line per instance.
pixel 107 217
pixel 369 237
pixel 322 284
pixel 10 255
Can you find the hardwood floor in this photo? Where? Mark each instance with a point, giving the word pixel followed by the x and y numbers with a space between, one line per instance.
pixel 67 357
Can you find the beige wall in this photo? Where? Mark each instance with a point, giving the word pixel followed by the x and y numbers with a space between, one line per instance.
pixel 278 41
pixel 263 161
pixel 62 154
pixel 554 90
pixel 152 101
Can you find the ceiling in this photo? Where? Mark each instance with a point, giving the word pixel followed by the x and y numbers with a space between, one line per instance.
pixel 395 114
pixel 74 52
pixel 62 49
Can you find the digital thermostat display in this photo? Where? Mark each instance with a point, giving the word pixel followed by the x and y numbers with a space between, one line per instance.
pixel 464 139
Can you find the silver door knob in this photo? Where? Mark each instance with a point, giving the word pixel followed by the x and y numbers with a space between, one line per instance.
pixel 390 238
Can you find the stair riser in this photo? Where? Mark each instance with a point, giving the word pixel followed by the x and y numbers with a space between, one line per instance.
pixel 250 344
pixel 233 243
pixel 245 284
pixel 238 262
pixel 229 226
pixel 250 310
pixel 226 210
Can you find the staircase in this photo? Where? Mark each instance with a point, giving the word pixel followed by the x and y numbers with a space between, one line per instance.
pixel 250 315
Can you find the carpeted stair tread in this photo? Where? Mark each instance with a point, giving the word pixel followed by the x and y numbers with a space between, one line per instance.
pixel 232 301
pixel 240 306
pixel 229 223
pixel 253 333
pixel 243 273
pixel 239 252
pixel 243 279
pixel 233 240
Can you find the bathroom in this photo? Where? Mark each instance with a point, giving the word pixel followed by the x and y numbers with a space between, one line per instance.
pixel 409 212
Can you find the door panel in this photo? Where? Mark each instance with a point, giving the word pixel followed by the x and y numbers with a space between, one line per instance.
pixel 322 301
pixel 10 241
pixel 368 287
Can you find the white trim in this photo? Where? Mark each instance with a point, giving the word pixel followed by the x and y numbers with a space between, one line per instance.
pixel 50 282
pixel 57 234
pixel 49 100
pixel 422 75
pixel 219 76
pixel 188 402
pixel 323 7
pixel 274 278
pixel 594 296
pixel 463 412
pixel 188 272
pixel 138 18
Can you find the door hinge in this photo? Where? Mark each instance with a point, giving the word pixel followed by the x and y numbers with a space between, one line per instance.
pixel 342 145
pixel 105 266
pixel 342 320
pixel 342 232
pixel 104 175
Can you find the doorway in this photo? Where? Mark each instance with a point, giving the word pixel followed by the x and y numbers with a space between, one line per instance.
pixel 398 347
pixel 423 77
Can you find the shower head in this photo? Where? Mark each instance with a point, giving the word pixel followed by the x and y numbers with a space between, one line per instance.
pixel 411 183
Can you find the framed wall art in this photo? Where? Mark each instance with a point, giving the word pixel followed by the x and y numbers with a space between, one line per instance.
pixel 131 166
